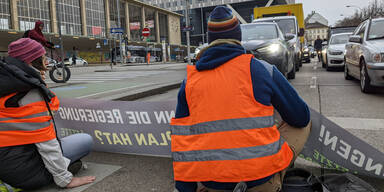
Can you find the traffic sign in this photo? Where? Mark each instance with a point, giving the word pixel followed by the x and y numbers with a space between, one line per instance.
pixel 187 28
pixel 145 32
pixel 105 42
pixel 117 30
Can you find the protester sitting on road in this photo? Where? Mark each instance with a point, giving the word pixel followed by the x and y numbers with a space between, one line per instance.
pixel 37 35
pixel 31 155
pixel 224 130
pixel 318 47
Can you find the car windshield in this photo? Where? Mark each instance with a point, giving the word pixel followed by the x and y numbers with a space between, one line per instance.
pixel 287 25
pixel 376 31
pixel 339 39
pixel 258 32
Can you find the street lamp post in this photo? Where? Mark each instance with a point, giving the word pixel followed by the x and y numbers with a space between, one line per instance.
pixel 354 6
pixel 119 26
pixel 187 32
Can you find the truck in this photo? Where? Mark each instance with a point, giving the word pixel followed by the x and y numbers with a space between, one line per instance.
pixel 283 10
pixel 290 19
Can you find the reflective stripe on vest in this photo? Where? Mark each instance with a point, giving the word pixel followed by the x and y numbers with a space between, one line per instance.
pixel 228 136
pixel 29 123
pixel 229 154
pixel 223 125
pixel 30 126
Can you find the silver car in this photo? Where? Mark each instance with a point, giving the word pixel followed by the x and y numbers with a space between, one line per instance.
pixel 336 49
pixel 364 58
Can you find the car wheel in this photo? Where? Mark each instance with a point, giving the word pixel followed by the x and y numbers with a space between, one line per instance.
pixel 292 74
pixel 365 81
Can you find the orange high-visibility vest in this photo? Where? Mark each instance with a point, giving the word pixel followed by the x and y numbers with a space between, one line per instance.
pixel 228 136
pixel 31 123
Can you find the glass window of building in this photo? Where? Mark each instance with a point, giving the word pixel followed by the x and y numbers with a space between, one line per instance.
pixel 5 16
pixel 163 24
pixel 29 11
pixel 95 15
pixel 150 23
pixel 113 13
pixel 70 17
pixel 135 25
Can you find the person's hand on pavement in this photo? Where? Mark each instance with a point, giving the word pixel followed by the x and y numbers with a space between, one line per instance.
pixel 79 181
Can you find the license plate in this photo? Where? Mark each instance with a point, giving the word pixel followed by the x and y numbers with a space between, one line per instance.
pixel 305 54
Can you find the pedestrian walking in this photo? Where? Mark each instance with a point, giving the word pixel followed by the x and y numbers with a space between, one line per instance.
pixel 148 57
pixel 224 131
pixel 31 155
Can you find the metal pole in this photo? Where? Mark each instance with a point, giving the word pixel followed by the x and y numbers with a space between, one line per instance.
pixel 61 40
pixel 202 23
pixel 119 26
pixel 187 33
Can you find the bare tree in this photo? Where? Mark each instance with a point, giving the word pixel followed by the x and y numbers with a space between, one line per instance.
pixel 374 10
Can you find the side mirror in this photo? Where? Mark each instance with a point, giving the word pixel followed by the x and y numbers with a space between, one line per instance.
pixel 301 32
pixel 355 39
pixel 289 36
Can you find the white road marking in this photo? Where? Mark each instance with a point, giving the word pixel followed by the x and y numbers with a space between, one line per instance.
pixel 359 123
pixel 313 83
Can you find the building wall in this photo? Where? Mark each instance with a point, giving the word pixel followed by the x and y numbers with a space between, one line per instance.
pixel 89 18
pixel 174 30
pixel 312 33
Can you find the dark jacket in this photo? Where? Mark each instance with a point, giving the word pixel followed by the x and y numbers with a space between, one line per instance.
pixel 37 35
pixel 318 44
pixel 21 166
pixel 270 87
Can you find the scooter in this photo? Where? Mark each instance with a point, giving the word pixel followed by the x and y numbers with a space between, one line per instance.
pixel 59 73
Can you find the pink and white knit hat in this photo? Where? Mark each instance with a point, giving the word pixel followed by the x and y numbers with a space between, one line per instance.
pixel 26 50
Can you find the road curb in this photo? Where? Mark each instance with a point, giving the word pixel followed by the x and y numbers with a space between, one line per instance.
pixel 147 93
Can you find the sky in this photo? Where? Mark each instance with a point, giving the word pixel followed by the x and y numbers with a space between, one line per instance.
pixel 332 9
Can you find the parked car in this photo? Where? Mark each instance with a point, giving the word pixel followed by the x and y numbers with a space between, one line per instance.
pixel 306 54
pixel 79 62
pixel 192 56
pixel 335 50
pixel 198 49
pixel 364 58
pixel 323 53
pixel 289 25
pixel 266 42
pixel 333 31
pixel 312 51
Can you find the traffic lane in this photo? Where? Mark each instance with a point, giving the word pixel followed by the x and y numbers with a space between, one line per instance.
pixel 349 101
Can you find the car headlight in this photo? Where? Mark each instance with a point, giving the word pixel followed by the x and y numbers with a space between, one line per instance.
pixel 273 48
pixel 335 52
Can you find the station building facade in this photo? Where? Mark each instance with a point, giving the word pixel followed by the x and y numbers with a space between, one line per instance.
pixel 85 24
